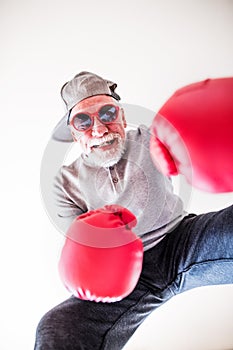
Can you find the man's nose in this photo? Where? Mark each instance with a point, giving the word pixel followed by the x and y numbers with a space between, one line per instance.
pixel 98 128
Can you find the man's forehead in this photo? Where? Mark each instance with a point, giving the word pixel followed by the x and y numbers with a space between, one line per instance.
pixel 93 102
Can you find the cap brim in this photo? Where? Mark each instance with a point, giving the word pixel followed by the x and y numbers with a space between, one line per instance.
pixel 61 132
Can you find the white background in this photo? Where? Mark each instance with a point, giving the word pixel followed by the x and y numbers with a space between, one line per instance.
pixel 150 48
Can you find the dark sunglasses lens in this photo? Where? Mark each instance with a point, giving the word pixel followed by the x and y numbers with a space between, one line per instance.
pixel 82 122
pixel 108 114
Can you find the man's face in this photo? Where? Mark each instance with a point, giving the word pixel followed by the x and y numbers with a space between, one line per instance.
pixel 102 142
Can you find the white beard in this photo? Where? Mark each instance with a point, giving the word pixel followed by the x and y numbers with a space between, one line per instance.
pixel 101 158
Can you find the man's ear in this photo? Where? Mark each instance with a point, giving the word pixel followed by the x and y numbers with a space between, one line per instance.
pixel 74 137
pixel 123 118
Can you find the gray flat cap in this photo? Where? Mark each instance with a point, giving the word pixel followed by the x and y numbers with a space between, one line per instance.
pixel 82 86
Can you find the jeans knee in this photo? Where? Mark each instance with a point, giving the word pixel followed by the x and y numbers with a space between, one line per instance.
pixel 45 333
pixel 52 334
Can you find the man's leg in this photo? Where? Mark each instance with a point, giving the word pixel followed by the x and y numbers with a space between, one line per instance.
pixel 199 252
pixel 82 325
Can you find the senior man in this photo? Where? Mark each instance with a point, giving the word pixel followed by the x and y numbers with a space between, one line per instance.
pixel 181 250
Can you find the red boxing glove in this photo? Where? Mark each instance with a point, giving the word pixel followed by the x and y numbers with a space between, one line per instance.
pixel 192 134
pixel 102 258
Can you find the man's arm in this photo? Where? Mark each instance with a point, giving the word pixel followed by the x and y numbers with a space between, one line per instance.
pixel 66 201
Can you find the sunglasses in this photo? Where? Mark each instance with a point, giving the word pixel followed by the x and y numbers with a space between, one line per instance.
pixel 84 121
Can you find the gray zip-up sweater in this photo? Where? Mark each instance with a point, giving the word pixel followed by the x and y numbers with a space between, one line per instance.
pixel 134 183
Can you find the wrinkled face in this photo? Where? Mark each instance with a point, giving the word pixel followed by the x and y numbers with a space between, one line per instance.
pixel 101 129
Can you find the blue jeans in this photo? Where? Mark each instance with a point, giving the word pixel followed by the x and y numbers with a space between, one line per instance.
pixel 199 252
